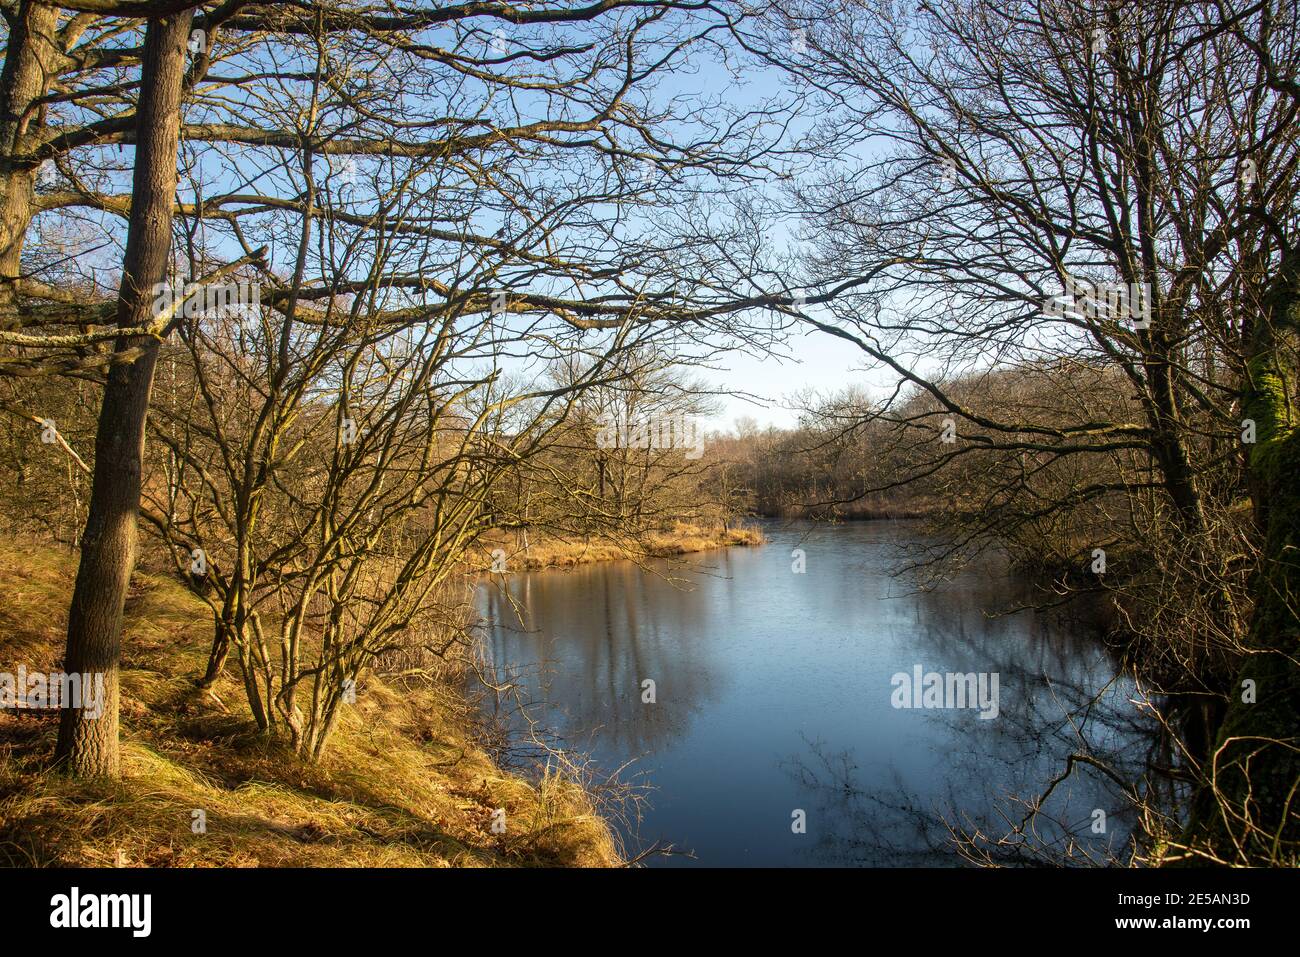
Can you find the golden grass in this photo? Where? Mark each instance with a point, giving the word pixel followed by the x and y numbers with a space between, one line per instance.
pixel 682 539
pixel 403 784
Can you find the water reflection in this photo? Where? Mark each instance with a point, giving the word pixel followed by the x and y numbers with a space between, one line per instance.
pixel 773 695
pixel 589 639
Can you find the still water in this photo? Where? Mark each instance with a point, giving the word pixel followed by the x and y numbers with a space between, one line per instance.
pixel 774 694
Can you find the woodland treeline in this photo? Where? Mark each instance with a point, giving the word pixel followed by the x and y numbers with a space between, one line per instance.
pixel 478 230
pixel 456 225
pixel 1067 233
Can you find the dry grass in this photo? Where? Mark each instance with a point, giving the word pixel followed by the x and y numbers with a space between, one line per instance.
pixel 681 539
pixel 404 783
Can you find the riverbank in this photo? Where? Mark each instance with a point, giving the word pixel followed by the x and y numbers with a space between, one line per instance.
pixel 873 509
pixel 403 784
pixel 554 552
pixel 781 659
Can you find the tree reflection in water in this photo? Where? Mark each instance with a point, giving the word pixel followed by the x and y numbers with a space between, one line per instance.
pixel 753 663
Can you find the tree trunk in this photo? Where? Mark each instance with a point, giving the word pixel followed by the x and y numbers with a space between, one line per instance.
pixel 89 747
pixel 1249 810
pixel 28 67
pixel 218 654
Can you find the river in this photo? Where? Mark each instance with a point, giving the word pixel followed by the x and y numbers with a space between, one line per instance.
pixel 777 730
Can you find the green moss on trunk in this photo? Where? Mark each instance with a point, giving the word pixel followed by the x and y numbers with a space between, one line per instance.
pixel 1249 810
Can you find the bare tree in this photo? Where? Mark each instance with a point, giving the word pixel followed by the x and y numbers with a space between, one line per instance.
pixel 332 453
pixel 89 746
pixel 1106 186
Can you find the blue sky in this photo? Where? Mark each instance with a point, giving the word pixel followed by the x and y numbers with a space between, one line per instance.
pixel 762 387
pixel 816 361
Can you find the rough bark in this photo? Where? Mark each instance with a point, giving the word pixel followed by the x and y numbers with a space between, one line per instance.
pixel 1249 810
pixel 29 61
pixel 89 747
pixel 218 654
